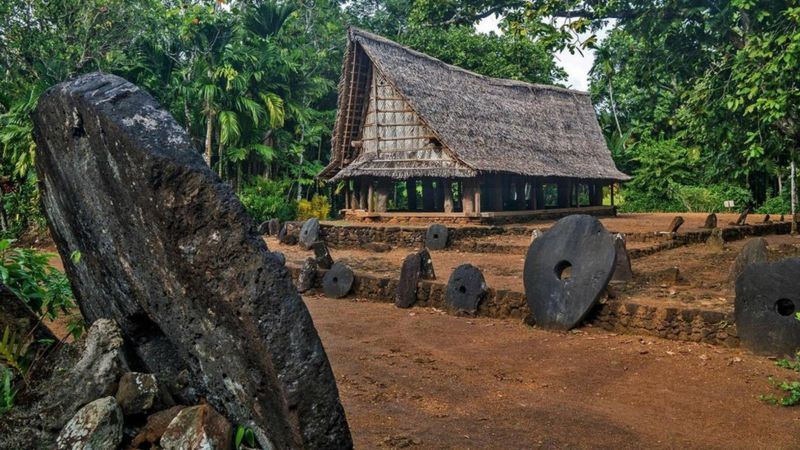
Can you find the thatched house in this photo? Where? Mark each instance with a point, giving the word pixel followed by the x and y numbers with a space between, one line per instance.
pixel 472 143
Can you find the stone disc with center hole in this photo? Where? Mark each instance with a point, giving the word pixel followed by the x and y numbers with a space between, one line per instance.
pixel 309 233
pixel 338 281
pixel 436 237
pixel 566 270
pixel 767 299
pixel 465 289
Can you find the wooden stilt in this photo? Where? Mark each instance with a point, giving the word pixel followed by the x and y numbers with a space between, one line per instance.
pixel 447 191
pixel 382 192
pixel 363 197
pixel 370 197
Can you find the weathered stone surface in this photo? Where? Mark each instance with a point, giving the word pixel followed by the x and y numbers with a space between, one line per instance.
pixel 465 289
pixel 338 281
pixel 426 270
pixel 716 239
pixel 535 234
pixel 137 392
pixel 169 253
pixel 377 247
pixel 766 301
pixel 711 221
pixel 410 273
pixel 309 233
pixel 566 270
pixel 308 274
pixel 198 428
pixel 436 237
pixel 149 435
pixel 263 228
pixel 322 255
pixel 676 223
pixel 742 219
pixel 279 257
pixel 288 235
pixel 97 425
pixel 97 373
pixel 622 261
pixel 274 227
pixel 754 252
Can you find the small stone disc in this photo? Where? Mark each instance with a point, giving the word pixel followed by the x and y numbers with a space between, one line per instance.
pixel 436 237
pixel 465 289
pixel 338 281
pixel 309 233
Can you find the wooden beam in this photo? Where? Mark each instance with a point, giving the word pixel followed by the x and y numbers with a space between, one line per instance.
pixel 447 188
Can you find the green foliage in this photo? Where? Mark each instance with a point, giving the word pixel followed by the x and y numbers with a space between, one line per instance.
pixel 791 388
pixel 318 207
pixel 710 198
pixel 778 204
pixel 7 392
pixel 244 436
pixel 29 275
pixel 267 199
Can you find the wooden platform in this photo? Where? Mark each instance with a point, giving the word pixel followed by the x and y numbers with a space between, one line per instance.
pixel 487 218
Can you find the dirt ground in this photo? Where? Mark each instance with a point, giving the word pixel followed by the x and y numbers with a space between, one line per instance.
pixel 418 378
pixel 702 271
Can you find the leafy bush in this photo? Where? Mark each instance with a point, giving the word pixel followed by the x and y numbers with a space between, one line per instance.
pixel 318 207
pixel 20 204
pixel 7 392
pixel 779 204
pixel 710 198
pixel 267 199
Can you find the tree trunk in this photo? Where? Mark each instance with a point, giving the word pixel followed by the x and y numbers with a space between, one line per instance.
pixel 209 135
pixel 794 195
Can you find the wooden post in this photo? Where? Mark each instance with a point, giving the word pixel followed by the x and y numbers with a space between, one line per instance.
pixel 382 192
pixel 363 197
pixel 427 194
pixel 611 187
pixel 519 184
pixel 411 193
pixel 563 193
pixel 370 197
pixel 438 196
pixel 447 191
pixel 347 194
pixel 468 196
pixel 477 201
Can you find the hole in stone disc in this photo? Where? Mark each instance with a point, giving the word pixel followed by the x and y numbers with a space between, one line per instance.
pixel 435 236
pixel 784 307
pixel 462 289
pixel 335 279
pixel 563 270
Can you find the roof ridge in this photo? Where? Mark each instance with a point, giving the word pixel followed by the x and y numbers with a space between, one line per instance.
pixel 352 30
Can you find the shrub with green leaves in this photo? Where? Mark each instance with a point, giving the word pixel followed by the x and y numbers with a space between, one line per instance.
pixel 267 199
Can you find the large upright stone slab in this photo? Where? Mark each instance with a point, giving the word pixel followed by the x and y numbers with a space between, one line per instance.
pixel 170 254
pixel 766 302
pixel 755 251
pixel 566 270
pixel 309 233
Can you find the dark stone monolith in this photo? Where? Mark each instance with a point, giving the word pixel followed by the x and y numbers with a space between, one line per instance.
pixel 309 233
pixel 289 233
pixel 338 281
pixel 742 219
pixel 323 255
pixel 676 223
pixel 426 270
pixel 754 252
pixel 436 237
pixel 566 270
pixel 622 261
pixel 711 221
pixel 169 253
pixel 766 302
pixel 274 227
pixel 263 228
pixel 410 273
pixel 465 289
pixel 308 274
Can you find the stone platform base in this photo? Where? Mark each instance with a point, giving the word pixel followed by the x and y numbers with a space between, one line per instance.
pixel 683 324
pixel 484 218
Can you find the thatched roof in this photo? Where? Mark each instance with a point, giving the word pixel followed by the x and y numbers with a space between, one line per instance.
pixel 485 124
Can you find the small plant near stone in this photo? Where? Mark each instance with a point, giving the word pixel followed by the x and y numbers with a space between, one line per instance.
pixel 7 391
pixel 791 388
pixel 244 438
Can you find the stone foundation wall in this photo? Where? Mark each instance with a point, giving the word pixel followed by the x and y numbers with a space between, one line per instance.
pixel 683 324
